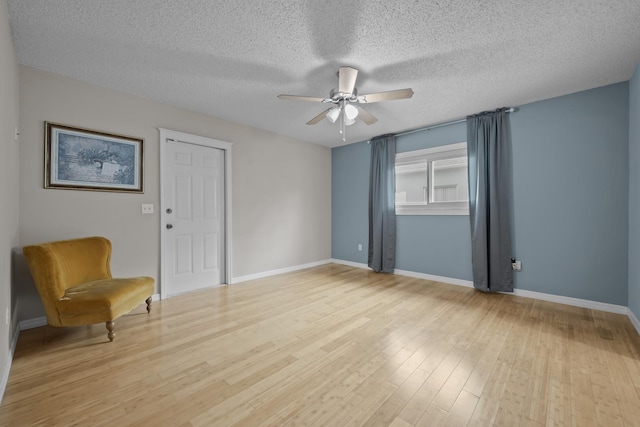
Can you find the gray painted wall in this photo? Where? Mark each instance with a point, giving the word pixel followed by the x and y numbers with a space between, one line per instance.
pixel 8 185
pixel 570 225
pixel 281 186
pixel 634 193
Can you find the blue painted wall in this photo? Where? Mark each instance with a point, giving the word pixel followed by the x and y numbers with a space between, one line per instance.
pixel 420 237
pixel 634 193
pixel 571 194
pixel 350 202
pixel 571 181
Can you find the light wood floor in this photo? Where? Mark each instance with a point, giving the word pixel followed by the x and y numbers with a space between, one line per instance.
pixel 333 346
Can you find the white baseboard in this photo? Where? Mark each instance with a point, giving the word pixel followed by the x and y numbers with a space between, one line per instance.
pixel 7 369
pixel 264 274
pixel 349 263
pixel 32 323
pixel 634 320
pixel 576 302
pixel 442 279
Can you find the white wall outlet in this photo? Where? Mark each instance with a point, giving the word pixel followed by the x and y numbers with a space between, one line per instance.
pixel 147 208
pixel 516 265
pixel 359 247
pixel 7 316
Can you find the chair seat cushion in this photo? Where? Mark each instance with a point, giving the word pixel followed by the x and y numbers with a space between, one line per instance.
pixel 102 300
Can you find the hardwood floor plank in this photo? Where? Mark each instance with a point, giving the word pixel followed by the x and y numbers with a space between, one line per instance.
pixel 388 411
pixel 333 345
pixel 462 410
pixel 434 416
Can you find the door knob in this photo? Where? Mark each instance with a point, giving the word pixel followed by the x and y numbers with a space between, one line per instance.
pixel 169 211
pixel 169 226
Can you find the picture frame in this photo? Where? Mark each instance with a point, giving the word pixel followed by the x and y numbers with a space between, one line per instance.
pixel 85 159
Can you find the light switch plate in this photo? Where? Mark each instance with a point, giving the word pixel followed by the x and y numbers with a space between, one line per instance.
pixel 147 208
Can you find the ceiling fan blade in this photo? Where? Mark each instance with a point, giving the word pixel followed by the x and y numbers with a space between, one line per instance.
pixel 365 116
pixel 319 117
pixel 386 96
pixel 347 79
pixel 302 98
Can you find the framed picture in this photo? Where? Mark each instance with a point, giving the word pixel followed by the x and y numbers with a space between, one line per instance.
pixel 83 159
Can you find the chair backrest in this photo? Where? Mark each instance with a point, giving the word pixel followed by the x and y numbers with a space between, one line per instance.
pixel 57 266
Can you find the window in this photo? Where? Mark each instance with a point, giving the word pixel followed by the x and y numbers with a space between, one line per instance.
pixel 433 181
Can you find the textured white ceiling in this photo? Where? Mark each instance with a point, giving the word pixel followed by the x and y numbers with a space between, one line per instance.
pixel 231 58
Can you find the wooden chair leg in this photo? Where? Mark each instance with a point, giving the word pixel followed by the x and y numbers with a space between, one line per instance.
pixel 148 301
pixel 110 326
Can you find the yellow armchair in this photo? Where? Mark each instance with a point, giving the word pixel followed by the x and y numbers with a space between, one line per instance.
pixel 73 278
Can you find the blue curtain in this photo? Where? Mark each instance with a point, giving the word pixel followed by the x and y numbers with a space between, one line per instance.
pixel 382 205
pixel 489 153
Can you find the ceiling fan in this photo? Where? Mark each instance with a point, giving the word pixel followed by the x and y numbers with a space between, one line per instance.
pixel 345 100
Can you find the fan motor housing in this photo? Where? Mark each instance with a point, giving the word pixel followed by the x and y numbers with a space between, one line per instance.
pixel 339 96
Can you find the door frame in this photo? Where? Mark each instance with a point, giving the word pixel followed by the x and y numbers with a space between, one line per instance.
pixel 186 138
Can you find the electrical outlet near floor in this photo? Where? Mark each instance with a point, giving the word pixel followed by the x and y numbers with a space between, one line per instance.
pixel 516 265
pixel 6 316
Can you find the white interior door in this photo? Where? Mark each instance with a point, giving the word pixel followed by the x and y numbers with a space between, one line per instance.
pixel 193 215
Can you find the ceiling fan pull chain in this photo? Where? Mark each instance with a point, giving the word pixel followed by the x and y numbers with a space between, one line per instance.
pixel 343 126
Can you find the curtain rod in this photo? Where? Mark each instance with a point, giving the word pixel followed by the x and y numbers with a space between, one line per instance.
pixel 438 125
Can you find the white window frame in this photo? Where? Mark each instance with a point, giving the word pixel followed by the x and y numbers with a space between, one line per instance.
pixel 431 154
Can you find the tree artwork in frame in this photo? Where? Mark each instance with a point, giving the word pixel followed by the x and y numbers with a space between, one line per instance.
pixel 83 159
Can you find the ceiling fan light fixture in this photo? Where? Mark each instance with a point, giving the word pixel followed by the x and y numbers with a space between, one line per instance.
pixel 333 114
pixel 350 112
pixel 348 121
